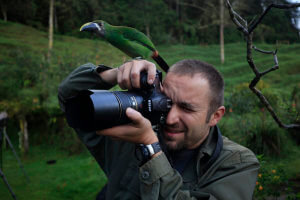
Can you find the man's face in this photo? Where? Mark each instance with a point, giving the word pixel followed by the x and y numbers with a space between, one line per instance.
pixel 186 126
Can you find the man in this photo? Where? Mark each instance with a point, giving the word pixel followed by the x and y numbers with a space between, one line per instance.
pixel 198 163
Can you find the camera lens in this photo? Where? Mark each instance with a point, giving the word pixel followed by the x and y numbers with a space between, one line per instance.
pixel 100 109
pixel 93 110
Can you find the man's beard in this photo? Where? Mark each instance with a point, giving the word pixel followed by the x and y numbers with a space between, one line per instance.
pixel 180 145
pixel 189 139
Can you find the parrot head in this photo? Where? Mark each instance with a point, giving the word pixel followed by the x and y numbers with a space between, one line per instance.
pixel 97 27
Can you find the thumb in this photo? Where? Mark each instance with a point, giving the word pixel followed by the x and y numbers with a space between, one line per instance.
pixel 134 115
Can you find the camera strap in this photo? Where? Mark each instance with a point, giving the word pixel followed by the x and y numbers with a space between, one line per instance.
pixel 217 151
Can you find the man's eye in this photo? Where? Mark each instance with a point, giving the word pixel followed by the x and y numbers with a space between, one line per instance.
pixel 187 109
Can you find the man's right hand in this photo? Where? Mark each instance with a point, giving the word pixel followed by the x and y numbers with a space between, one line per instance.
pixel 128 74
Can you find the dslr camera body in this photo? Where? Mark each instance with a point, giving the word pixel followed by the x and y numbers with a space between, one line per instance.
pixel 92 110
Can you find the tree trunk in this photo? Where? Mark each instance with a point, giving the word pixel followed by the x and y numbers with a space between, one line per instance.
pixel 23 136
pixel 177 8
pixel 55 20
pixel 148 31
pixel 50 29
pixel 4 12
pixel 222 31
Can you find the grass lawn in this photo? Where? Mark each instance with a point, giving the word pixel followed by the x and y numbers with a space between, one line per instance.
pixel 71 177
pixel 79 176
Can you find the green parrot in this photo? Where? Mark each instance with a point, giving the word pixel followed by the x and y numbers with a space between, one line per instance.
pixel 129 40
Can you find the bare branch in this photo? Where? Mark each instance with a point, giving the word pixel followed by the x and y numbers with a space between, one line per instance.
pixel 275 67
pixel 212 6
pixel 233 16
pixel 262 51
pixel 239 17
pixel 249 55
pixel 192 5
pixel 213 23
pixel 272 112
pixel 279 6
pixel 249 34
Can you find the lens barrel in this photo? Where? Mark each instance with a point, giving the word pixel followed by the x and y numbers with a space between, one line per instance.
pixel 94 110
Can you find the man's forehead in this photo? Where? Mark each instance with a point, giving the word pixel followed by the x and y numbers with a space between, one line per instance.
pixel 185 80
pixel 185 87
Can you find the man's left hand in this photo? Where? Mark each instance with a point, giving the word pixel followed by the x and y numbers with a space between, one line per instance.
pixel 139 131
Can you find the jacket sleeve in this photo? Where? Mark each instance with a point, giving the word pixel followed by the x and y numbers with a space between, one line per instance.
pixel 232 181
pixel 84 77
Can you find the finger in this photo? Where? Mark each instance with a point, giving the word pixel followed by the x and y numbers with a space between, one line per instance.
pixel 115 131
pixel 134 115
pixel 161 88
pixel 120 75
pixel 119 78
pixel 135 74
pixel 123 132
pixel 151 70
pixel 125 80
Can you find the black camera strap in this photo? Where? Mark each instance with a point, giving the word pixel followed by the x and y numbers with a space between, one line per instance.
pixel 217 150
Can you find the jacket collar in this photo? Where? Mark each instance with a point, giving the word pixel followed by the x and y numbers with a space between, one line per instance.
pixel 209 150
pixel 209 144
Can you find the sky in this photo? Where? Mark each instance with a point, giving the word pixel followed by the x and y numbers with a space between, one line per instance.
pixel 298 19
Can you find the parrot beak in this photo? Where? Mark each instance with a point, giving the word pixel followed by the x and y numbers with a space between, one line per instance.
pixel 90 26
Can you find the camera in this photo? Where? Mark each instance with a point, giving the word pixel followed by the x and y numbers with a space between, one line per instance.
pixel 92 110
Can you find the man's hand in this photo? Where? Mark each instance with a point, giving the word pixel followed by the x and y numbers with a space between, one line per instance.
pixel 139 131
pixel 128 74
pixel 128 77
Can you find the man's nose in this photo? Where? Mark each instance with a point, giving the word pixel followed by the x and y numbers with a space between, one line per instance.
pixel 173 115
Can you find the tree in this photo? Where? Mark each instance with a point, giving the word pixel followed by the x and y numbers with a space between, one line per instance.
pixel 222 31
pixel 20 92
pixel 247 30
pixel 50 44
pixel 4 5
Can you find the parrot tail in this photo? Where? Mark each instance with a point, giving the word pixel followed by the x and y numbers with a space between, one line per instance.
pixel 160 61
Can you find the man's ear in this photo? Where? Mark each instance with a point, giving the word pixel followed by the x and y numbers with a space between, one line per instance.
pixel 216 116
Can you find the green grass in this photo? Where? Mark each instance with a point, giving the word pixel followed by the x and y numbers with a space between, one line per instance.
pixel 71 177
pixel 235 69
pixel 79 176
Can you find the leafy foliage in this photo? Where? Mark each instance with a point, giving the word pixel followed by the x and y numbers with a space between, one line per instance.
pixel 166 21
pixel 273 180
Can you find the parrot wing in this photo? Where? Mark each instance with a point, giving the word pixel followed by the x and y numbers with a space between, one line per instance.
pixel 136 36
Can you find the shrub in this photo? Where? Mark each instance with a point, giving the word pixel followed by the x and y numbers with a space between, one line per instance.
pixel 273 181
pixel 242 100
pixel 264 136
pixel 256 131
pixel 250 119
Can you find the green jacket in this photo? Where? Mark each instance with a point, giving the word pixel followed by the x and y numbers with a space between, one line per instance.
pixel 231 176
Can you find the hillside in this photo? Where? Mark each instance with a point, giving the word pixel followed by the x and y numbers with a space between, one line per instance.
pixel 235 69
